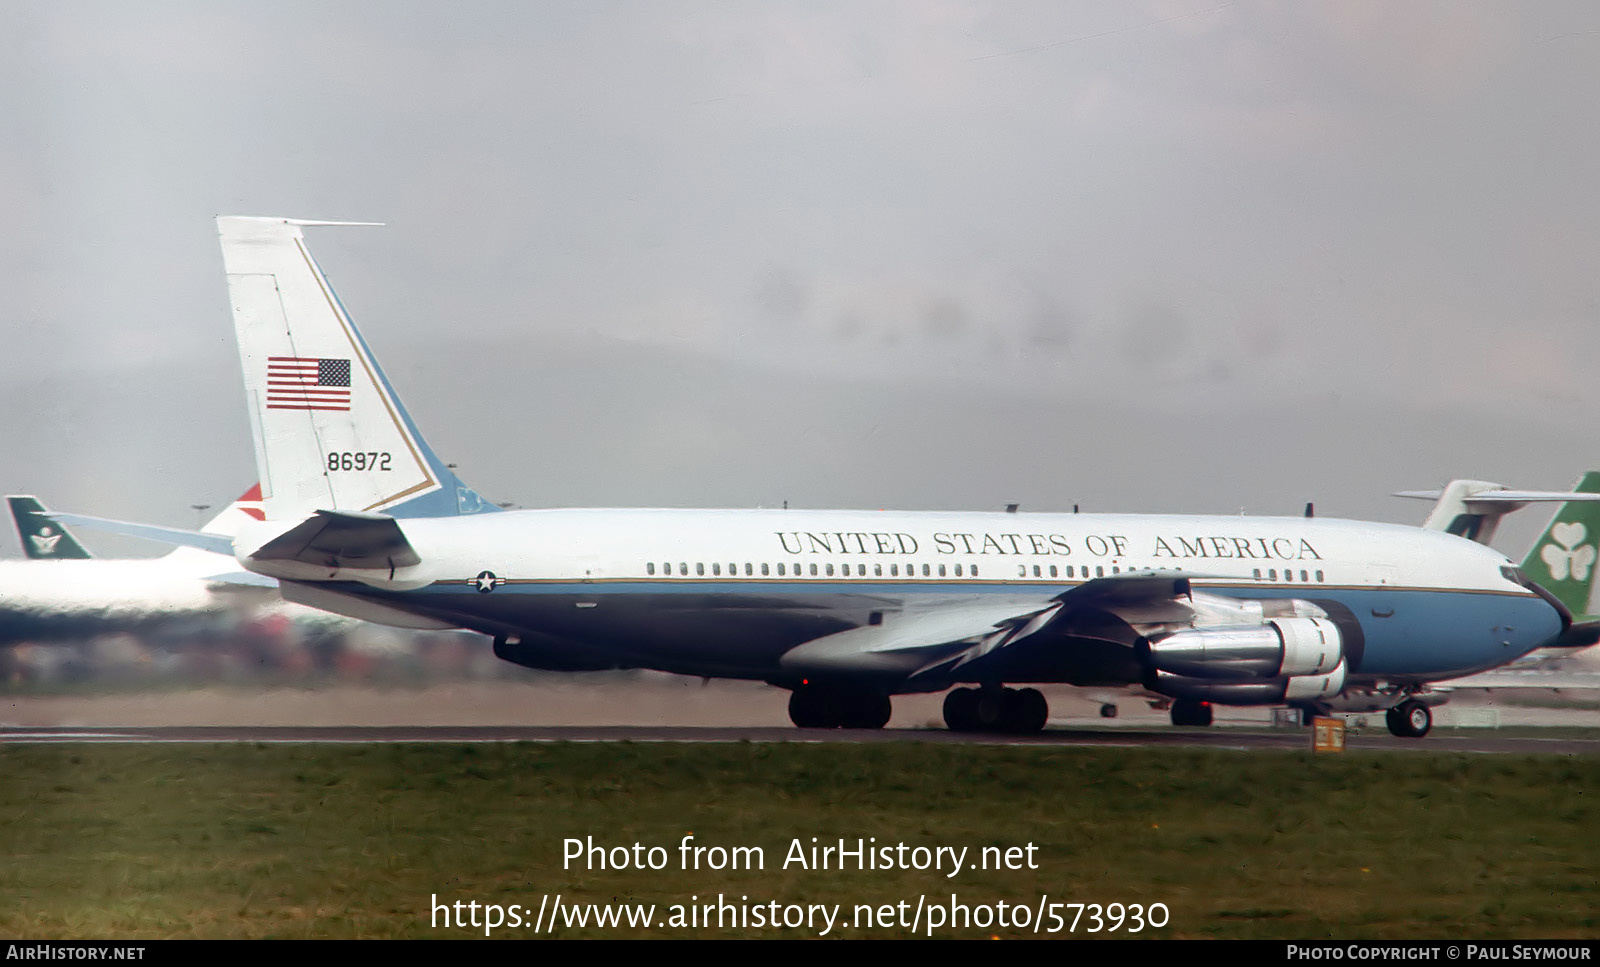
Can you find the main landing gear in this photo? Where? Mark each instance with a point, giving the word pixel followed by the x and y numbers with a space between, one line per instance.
pixel 1187 711
pixel 1011 710
pixel 1410 719
pixel 838 707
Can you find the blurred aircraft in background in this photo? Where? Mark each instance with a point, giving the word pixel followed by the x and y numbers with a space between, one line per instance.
pixel 61 592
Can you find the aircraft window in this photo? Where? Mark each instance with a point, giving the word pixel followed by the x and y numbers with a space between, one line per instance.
pixel 958 570
pixel 1272 574
pixel 813 570
pixel 1303 576
pixel 1099 572
pixel 894 570
pixel 1022 570
pixel 1288 575
pixel 1053 571
pixel 877 570
pixel 926 571
pixel 1116 570
pixel 861 570
pixel 780 570
pixel 829 568
pixel 683 569
pixel 650 568
pixel 1257 573
pixel 1319 577
pixel 941 570
pixel 974 570
pixel 748 570
pixel 716 570
pixel 764 570
pixel 699 568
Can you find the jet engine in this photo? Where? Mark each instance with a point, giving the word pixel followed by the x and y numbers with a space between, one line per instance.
pixel 1283 659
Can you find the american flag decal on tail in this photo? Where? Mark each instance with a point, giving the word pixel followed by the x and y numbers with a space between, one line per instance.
pixel 297 383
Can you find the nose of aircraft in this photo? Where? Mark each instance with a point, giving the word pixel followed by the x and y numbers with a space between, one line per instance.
pixel 1545 626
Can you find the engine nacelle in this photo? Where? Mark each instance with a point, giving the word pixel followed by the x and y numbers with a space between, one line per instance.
pixel 1280 647
pixel 1222 693
pixel 1311 688
pixel 1291 659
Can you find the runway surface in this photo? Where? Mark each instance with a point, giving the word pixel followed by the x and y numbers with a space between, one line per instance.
pixel 660 708
pixel 1239 739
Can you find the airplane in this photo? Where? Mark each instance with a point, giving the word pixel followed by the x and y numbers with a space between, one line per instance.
pixel 61 592
pixel 842 608
pixel 1562 559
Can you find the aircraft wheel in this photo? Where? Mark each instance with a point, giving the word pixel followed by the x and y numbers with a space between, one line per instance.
pixel 807 708
pixel 959 713
pixel 1108 711
pixel 1410 719
pixel 869 710
pixel 989 712
pixel 1029 710
pixel 1189 712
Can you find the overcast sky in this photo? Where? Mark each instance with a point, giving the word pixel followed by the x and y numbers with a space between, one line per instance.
pixel 1163 256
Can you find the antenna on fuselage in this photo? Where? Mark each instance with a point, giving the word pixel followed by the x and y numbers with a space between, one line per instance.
pixel 1310 509
pixel 1012 508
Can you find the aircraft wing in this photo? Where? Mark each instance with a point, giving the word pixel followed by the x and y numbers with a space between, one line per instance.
pixel 945 637
pixel 216 543
pixel 343 539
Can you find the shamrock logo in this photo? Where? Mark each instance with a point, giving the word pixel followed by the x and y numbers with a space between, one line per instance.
pixel 1568 557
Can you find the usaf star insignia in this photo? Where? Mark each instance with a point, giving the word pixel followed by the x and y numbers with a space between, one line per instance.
pixel 486 581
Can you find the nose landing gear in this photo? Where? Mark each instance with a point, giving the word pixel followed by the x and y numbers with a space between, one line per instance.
pixel 1410 719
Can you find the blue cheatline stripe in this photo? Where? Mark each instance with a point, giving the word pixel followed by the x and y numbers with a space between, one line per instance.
pixel 867 586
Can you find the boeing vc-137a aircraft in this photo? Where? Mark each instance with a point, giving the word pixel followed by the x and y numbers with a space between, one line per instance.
pixel 844 608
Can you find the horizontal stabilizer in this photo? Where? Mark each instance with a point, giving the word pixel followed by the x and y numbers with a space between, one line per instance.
pixel 343 539
pixel 215 543
pixel 1503 496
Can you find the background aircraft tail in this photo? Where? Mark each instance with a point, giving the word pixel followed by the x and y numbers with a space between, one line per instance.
pixel 1562 560
pixel 42 538
pixel 329 432
pixel 45 534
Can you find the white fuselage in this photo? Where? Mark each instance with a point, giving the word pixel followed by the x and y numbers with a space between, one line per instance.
pixel 727 592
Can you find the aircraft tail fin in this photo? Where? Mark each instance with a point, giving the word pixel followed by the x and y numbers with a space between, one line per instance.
pixel 330 433
pixel 1562 560
pixel 42 538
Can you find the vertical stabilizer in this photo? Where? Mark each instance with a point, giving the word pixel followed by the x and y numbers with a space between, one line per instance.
pixel 329 432
pixel 42 538
pixel 1562 560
